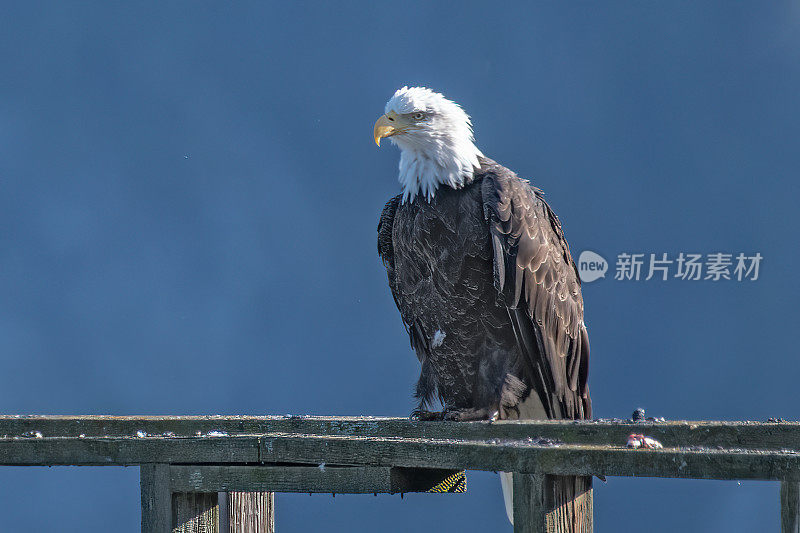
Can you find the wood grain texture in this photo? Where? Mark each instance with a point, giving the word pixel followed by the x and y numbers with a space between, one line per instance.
pixel 570 501
pixel 552 504
pixel 251 512
pixel 790 507
pixel 156 498
pixel 195 512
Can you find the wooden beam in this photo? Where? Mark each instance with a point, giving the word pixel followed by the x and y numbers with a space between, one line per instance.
pixel 750 435
pixel 790 507
pixel 527 457
pixel 156 498
pixel 128 450
pixel 352 480
pixel 300 478
pixel 505 455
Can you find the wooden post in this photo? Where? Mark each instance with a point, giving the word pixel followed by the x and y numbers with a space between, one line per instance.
pixel 251 512
pixel 156 498
pixel 790 507
pixel 530 513
pixel 552 504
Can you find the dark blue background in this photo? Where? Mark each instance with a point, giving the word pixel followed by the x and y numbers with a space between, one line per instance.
pixel 189 195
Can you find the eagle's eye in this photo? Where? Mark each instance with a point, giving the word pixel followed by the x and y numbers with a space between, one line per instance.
pixel 419 116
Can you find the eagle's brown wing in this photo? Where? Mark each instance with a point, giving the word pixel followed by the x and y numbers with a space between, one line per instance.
pixel 538 282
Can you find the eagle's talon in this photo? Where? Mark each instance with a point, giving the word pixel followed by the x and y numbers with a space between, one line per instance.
pixel 453 416
pixel 426 416
pixel 470 415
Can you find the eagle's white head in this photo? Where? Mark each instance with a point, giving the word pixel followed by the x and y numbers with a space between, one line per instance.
pixel 435 139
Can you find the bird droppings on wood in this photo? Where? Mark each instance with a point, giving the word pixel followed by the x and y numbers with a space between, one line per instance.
pixel 634 419
pixel 746 451
pixel 32 435
pixel 543 441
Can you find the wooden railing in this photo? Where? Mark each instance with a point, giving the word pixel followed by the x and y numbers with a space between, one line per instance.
pixel 186 461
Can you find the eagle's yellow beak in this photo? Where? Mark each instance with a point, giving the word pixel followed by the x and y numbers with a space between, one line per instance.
pixel 385 127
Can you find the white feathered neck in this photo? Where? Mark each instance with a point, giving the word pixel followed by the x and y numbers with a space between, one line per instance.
pixel 439 150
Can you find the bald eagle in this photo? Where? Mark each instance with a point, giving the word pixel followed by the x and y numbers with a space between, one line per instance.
pixel 482 275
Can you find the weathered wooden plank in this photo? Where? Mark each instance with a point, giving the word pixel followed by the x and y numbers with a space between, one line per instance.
pixel 755 435
pixel 521 456
pixel 790 507
pixel 570 500
pixel 514 456
pixel 507 455
pixel 328 479
pixel 195 512
pixel 128 450
pixel 251 512
pixel 353 479
pixel 156 498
